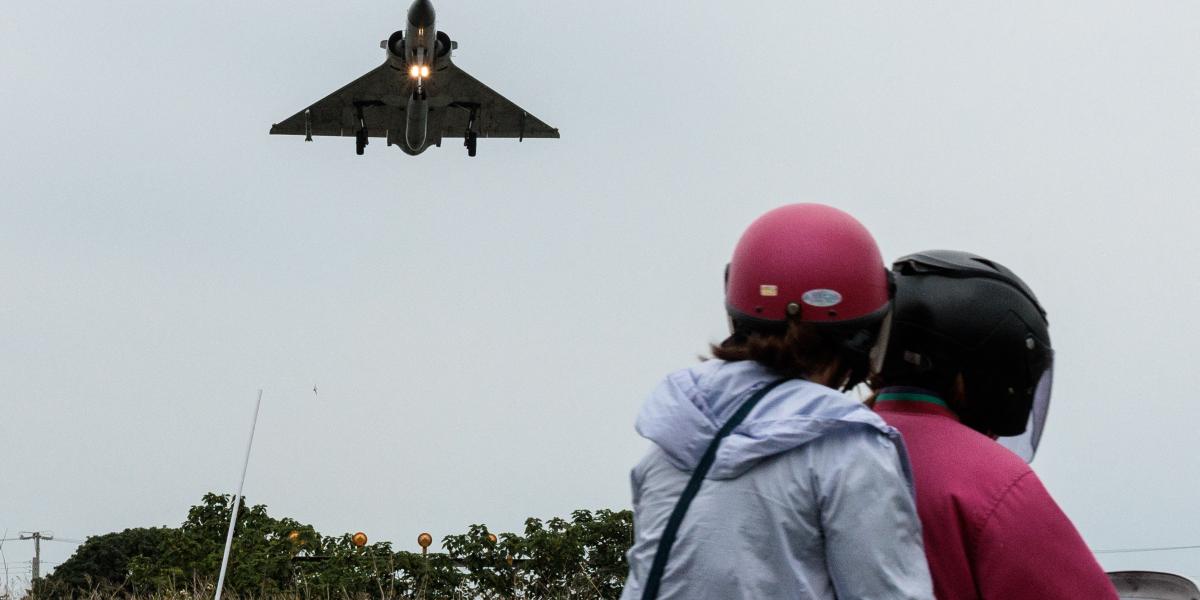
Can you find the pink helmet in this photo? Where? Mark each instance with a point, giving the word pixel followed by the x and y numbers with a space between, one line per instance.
pixel 810 261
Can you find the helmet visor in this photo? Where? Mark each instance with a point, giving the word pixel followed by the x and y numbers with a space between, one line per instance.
pixel 1025 444
pixel 879 350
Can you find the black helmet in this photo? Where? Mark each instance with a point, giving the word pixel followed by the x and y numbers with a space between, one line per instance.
pixel 955 312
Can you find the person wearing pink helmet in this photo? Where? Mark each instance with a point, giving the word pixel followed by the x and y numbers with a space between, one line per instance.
pixel 763 480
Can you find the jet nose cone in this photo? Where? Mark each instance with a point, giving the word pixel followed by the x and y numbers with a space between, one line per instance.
pixel 421 13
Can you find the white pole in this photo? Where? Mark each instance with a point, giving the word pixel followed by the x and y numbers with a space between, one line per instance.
pixel 237 500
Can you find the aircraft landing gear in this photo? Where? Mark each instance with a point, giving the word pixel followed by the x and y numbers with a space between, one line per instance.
pixel 360 136
pixel 471 137
pixel 471 142
pixel 360 141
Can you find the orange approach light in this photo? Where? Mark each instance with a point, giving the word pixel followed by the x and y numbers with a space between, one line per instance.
pixel 294 536
pixel 359 539
pixel 492 538
pixel 424 540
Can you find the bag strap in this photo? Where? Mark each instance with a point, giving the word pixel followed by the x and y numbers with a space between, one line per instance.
pixel 650 592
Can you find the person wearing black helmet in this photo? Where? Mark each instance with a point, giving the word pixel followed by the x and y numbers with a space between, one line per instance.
pixel 965 362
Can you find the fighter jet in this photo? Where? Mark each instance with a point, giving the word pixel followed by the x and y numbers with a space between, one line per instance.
pixel 417 97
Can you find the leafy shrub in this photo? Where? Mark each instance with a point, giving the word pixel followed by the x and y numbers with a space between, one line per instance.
pixel 582 558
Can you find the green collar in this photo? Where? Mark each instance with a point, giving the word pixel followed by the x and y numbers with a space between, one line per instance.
pixel 911 397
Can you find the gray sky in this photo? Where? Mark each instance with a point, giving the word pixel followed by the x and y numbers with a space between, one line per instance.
pixel 483 331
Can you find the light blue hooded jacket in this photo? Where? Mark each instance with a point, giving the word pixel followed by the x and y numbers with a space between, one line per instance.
pixel 809 498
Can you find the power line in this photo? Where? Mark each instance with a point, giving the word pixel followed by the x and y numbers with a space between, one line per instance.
pixel 1153 549
pixel 47 539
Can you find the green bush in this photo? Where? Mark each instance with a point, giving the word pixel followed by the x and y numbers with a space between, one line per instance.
pixel 582 558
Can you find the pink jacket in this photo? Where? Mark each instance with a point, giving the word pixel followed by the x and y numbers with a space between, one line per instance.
pixel 992 531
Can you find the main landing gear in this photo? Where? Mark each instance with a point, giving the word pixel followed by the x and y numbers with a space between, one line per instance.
pixel 360 136
pixel 471 137
pixel 471 141
pixel 360 142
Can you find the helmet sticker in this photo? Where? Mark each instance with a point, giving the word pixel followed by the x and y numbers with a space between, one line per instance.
pixel 768 290
pixel 822 298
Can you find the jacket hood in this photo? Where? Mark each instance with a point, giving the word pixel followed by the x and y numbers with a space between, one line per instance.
pixel 685 411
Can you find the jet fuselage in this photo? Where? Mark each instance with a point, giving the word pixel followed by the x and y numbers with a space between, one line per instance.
pixel 413 52
pixel 420 35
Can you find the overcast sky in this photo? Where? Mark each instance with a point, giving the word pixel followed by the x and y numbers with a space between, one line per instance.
pixel 482 331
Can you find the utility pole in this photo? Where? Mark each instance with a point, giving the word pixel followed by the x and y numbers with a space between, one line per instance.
pixel 37 537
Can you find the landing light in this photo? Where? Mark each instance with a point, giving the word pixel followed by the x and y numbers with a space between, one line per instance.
pixel 425 71
pixel 415 71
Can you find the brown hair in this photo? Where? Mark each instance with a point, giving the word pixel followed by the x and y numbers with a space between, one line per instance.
pixel 801 350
